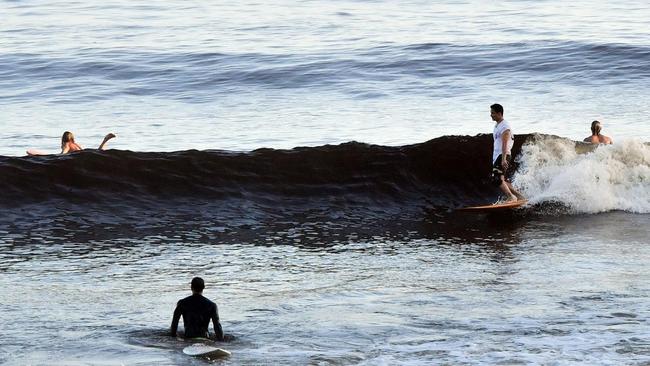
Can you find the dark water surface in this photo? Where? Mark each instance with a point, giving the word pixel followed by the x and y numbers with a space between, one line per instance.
pixel 531 289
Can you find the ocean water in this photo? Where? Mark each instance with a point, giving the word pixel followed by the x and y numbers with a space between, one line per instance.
pixel 175 76
pixel 307 159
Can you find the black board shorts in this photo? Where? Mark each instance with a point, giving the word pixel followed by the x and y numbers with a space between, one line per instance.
pixel 497 170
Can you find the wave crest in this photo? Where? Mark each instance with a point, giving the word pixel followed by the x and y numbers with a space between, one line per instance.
pixel 586 178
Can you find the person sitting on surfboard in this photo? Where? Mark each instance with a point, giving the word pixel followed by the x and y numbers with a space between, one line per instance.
pixel 501 157
pixel 197 312
pixel 69 145
pixel 596 137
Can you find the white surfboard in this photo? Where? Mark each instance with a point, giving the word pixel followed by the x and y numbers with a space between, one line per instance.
pixel 202 350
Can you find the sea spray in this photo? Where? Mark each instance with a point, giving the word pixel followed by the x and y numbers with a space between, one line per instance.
pixel 586 178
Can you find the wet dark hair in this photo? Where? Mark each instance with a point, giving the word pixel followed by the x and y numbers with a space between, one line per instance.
pixel 595 128
pixel 497 108
pixel 198 284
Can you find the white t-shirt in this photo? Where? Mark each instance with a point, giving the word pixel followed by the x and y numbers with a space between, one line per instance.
pixel 499 129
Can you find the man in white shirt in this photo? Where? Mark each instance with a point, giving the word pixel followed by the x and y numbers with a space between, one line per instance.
pixel 501 157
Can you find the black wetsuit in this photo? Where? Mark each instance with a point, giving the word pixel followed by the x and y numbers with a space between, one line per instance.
pixel 197 312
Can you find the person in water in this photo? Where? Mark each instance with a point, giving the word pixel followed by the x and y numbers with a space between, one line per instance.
pixel 596 137
pixel 501 156
pixel 197 312
pixel 68 143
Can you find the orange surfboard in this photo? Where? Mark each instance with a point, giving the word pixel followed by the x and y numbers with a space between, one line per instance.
pixel 495 207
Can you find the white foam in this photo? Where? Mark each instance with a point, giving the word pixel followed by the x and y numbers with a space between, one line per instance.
pixel 611 177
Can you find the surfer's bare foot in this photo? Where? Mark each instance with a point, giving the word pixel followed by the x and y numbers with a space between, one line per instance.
pixel 108 137
pixel 512 198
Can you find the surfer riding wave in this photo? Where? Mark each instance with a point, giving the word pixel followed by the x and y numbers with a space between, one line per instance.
pixel 501 154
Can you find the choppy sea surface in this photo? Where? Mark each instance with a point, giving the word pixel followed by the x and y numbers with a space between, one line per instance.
pixel 306 158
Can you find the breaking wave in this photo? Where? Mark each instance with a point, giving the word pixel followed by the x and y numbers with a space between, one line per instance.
pixel 337 180
pixel 587 180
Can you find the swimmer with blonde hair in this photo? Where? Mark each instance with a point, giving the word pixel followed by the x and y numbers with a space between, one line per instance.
pixel 69 145
pixel 596 137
